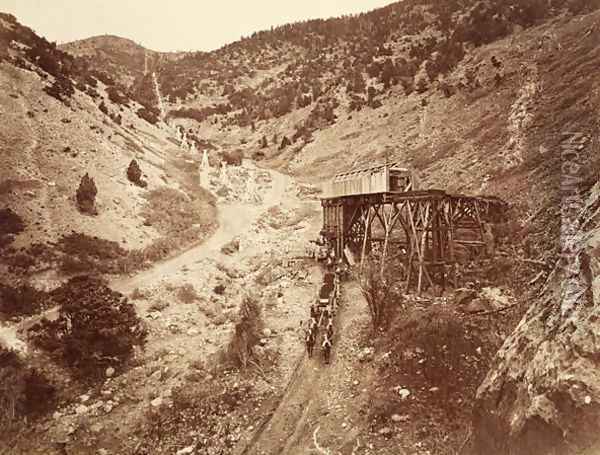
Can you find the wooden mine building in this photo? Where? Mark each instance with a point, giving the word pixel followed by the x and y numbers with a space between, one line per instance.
pixel 381 207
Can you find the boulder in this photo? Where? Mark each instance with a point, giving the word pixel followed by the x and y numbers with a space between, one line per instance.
pixel 231 247
pixel 366 354
pixel 463 296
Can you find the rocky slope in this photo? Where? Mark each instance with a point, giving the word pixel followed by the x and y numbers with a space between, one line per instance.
pixel 542 393
pixel 124 59
pixel 59 123
pixel 479 97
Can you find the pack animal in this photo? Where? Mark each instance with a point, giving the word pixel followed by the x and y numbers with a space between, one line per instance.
pixel 326 349
pixel 329 329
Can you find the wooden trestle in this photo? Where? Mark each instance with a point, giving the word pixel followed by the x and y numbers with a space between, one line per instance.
pixel 422 228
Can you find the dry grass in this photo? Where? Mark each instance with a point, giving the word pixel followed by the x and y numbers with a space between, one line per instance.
pixel 187 294
pixel 376 287
pixel 138 294
pixel 181 220
pixel 23 391
pixel 172 212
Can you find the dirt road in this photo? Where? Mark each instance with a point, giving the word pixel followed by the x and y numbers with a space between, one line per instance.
pixel 312 398
pixel 234 219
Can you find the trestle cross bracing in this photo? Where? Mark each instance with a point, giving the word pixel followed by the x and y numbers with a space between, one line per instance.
pixel 425 229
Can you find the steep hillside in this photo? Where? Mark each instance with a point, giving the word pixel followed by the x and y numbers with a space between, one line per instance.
pixel 491 119
pixel 474 96
pixel 121 58
pixel 59 123
pixel 117 56
pixel 479 97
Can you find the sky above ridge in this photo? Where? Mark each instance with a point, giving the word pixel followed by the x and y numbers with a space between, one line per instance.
pixel 175 25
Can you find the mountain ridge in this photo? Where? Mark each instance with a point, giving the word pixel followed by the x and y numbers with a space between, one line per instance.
pixel 477 97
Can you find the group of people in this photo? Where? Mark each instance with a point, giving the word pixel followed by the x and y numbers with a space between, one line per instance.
pixel 322 316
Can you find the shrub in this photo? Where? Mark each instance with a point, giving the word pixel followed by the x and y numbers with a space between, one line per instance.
pixel 96 327
pixel 134 174
pixel 284 143
pixel 173 214
pixel 446 88
pixel 187 294
pixel 61 89
pixel 151 115
pixel 103 108
pixel 115 95
pixel 246 333
pixel 85 254
pixel 138 294
pixel 10 224
pixel 23 300
pixel 86 195
pixel 233 158
pixel 117 118
pixel 219 289
pixel 24 392
pixel 376 287
pixel 87 248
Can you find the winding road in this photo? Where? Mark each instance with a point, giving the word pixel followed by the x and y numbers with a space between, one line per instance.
pixel 234 219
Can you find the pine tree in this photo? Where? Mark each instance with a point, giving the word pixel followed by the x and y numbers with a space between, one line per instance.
pixel 284 143
pixel 134 173
pixel 103 108
pixel 86 195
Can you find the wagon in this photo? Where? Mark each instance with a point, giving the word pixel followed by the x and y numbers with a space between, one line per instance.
pixel 329 278
pixel 325 294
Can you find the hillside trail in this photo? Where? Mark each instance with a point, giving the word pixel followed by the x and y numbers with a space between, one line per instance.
pixel 234 219
pixel 311 401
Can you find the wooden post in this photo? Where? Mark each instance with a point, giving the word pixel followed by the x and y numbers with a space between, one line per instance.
pixel 421 253
pixel 390 221
pixel 366 233
pixel 340 221
pixel 413 240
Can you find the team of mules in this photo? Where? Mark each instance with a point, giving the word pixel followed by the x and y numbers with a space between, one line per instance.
pixel 322 316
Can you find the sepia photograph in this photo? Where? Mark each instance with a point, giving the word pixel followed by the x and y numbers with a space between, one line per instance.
pixel 326 227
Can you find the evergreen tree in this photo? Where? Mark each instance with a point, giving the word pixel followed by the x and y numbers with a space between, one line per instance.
pixel 284 143
pixel 86 195
pixel 134 173
pixel 103 108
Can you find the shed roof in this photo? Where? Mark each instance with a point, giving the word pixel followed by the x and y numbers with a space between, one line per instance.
pixel 366 170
